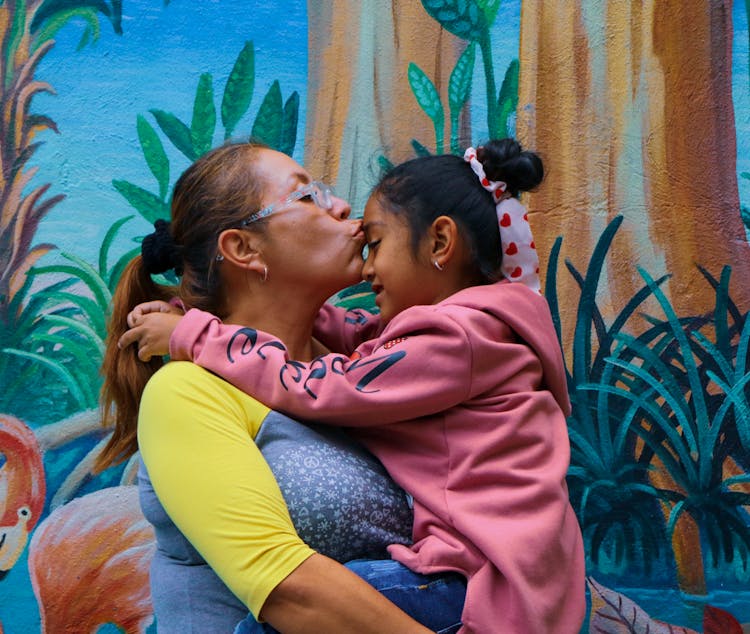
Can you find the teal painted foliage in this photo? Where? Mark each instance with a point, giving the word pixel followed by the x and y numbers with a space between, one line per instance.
pixel 56 336
pixel 47 344
pixel 275 124
pixel 470 20
pixel 677 393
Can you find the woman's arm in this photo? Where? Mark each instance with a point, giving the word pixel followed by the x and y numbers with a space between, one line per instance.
pixel 323 596
pixel 196 438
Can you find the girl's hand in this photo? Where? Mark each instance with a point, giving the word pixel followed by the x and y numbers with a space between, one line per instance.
pixel 151 332
pixel 156 306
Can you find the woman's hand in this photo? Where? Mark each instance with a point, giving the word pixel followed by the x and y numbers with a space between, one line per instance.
pixel 150 331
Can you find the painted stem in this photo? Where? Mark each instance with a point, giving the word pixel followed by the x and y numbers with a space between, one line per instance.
pixel 489 75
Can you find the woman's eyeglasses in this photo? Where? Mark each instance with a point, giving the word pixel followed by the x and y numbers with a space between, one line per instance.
pixel 320 193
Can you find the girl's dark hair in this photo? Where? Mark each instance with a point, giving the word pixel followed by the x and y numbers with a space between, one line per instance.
pixel 425 188
pixel 215 193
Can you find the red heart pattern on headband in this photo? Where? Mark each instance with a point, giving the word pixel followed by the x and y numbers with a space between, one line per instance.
pixel 520 259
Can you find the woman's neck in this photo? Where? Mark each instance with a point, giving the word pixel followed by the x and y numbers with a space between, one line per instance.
pixel 289 319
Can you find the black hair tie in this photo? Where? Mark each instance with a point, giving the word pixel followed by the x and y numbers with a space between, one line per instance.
pixel 159 251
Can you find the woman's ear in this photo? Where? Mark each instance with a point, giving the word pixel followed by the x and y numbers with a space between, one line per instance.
pixel 444 236
pixel 240 248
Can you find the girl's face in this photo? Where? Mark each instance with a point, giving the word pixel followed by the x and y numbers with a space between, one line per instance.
pixel 399 278
pixel 304 243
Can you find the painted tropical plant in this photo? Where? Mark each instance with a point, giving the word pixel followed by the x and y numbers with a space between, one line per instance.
pixel 470 20
pixel 609 485
pixel 27 344
pixel 56 318
pixel 660 428
pixel 275 124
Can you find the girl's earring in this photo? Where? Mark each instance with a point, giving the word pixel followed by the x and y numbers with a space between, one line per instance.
pixel 265 274
pixel 437 264
pixel 220 258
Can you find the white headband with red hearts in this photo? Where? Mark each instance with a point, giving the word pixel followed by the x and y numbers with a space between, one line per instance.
pixel 520 259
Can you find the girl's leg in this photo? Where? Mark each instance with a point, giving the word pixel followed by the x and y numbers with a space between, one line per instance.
pixel 436 601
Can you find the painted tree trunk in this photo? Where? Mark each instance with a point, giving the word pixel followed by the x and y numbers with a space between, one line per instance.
pixel 360 105
pixel 630 105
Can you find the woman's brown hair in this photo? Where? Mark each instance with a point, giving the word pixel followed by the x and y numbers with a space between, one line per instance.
pixel 215 193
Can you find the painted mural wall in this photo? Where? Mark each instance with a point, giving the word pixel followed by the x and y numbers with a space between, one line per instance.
pixel 641 112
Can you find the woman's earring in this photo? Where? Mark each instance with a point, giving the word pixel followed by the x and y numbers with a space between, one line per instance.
pixel 265 274
pixel 220 258
pixel 437 264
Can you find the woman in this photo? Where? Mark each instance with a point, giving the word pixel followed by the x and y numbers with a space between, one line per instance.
pixel 195 431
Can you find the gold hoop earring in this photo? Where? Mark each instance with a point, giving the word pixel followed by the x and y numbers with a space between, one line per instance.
pixel 437 264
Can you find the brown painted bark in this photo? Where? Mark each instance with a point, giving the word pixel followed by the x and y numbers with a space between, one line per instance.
pixel 685 539
pixel 630 105
pixel 360 104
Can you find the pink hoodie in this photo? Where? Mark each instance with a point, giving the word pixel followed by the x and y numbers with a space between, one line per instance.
pixel 464 402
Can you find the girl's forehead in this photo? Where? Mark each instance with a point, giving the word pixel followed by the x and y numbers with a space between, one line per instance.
pixel 374 208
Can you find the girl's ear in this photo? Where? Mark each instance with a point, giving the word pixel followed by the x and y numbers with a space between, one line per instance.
pixel 240 248
pixel 445 238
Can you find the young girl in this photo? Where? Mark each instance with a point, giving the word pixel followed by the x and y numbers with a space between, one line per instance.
pixel 458 388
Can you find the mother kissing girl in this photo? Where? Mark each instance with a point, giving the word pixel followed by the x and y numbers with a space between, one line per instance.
pixel 225 539
pixel 458 386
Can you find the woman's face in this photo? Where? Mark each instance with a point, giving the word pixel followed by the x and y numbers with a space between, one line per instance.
pixel 304 243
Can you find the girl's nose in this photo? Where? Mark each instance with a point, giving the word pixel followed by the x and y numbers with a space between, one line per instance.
pixel 368 271
pixel 340 209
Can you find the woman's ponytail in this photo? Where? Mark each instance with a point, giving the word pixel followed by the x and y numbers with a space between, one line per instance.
pixel 125 376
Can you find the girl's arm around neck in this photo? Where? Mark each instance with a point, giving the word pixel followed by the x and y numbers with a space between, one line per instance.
pixel 420 365
pixel 342 330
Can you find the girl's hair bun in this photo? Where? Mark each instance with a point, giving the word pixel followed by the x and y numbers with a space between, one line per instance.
pixel 505 160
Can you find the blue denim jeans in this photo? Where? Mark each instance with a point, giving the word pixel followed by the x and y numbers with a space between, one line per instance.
pixel 436 601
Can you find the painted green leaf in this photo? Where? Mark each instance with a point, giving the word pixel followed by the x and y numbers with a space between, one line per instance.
pixel 239 89
pixel 153 152
pixel 289 124
pixel 203 124
pixel 490 9
pixel 459 85
pixel 507 101
pixel 385 164
pixel 745 175
pixel 419 149
pixel 106 245
pixel 13 39
pixel 150 206
pixel 70 382
pixel 268 121
pixel 177 132
pixel 50 8
pixel 429 100
pixel 425 92
pixel 463 18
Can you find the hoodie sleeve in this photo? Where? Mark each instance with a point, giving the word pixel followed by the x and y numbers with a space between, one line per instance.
pixel 342 330
pixel 420 365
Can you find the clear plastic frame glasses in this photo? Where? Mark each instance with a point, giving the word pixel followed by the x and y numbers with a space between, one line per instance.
pixel 320 193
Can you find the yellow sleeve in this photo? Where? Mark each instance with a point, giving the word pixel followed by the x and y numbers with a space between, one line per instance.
pixel 195 434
